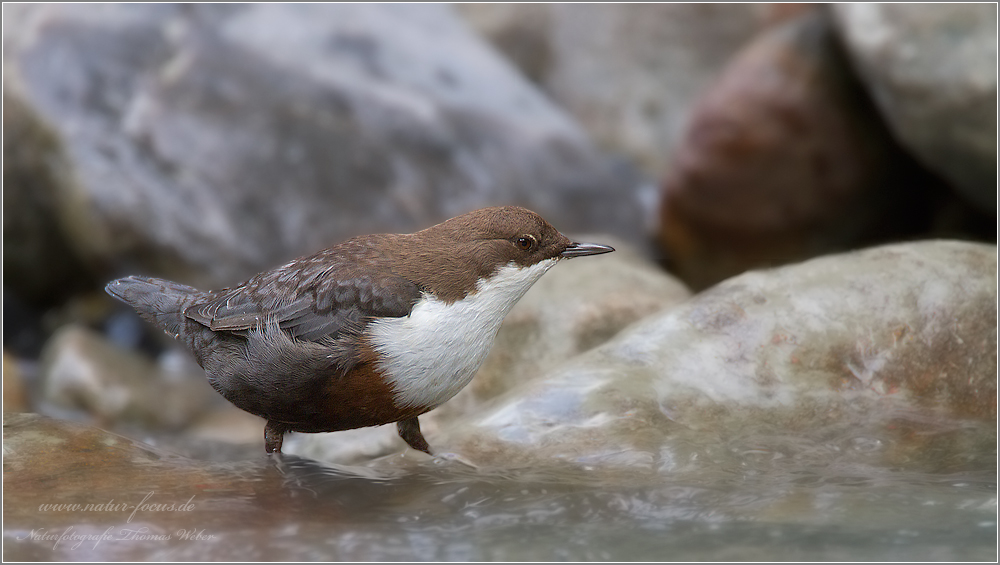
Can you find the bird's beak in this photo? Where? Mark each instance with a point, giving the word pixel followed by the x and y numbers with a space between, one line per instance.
pixel 581 249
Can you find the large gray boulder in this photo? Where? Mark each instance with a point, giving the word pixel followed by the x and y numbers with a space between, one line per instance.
pixel 932 70
pixel 207 142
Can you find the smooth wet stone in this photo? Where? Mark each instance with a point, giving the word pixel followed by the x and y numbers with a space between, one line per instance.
pixel 879 357
pixel 207 143
pixel 82 372
pixel 576 306
pixel 932 70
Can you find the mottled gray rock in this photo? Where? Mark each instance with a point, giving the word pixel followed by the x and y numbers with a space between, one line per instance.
pixel 932 69
pixel 575 307
pixel 81 372
pixel 207 142
pixel 890 349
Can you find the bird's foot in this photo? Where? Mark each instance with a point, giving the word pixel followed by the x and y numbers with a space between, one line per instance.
pixel 409 430
pixel 274 435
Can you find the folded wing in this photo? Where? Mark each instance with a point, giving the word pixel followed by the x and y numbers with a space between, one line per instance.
pixel 311 299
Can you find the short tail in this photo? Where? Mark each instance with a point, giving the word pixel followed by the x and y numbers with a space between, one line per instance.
pixel 158 301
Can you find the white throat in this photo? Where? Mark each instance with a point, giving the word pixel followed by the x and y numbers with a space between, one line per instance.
pixel 434 352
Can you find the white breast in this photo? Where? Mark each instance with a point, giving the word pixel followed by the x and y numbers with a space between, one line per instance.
pixel 434 352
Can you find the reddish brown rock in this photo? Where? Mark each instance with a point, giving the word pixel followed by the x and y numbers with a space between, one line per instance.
pixel 784 158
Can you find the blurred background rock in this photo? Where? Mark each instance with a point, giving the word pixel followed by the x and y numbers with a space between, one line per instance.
pixel 204 143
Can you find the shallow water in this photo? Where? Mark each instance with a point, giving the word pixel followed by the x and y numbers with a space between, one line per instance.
pixel 524 516
pixel 756 505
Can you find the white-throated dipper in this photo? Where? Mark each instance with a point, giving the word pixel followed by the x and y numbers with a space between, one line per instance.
pixel 379 329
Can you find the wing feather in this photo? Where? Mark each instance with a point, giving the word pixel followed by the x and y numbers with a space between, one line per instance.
pixel 312 298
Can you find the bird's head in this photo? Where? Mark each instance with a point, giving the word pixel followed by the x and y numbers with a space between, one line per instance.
pixel 458 253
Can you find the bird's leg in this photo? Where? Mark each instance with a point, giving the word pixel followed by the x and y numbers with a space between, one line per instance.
pixel 409 430
pixel 274 433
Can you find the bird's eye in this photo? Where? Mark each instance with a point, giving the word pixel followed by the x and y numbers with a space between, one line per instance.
pixel 525 242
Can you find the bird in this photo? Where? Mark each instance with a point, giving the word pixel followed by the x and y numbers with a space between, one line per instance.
pixel 378 329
